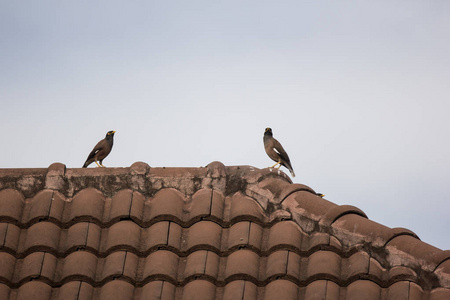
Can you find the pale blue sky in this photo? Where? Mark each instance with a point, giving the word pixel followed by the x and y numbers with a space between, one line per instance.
pixel 357 93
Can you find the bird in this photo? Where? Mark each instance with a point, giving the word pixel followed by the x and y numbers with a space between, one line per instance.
pixel 101 150
pixel 276 152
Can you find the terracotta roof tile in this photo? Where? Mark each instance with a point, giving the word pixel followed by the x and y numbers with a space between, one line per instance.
pixel 7 261
pixel 244 264
pixel 363 289
pixel 41 236
pixel 4 291
pixel 245 235
pixel 163 235
pixel 281 289
pixel 9 237
pixel 286 234
pixel 35 290
pixel 204 233
pixel 46 205
pixel 240 289
pixel 120 264
pixel 76 290
pixel 87 205
pixel 277 263
pixel 324 262
pixel 80 265
pixel 36 265
pixel 161 264
pixel 123 235
pixel 83 235
pixel 439 294
pixel 201 263
pixel 11 205
pixel 322 289
pixel 168 204
pixel 206 203
pixel 157 290
pixel 244 206
pixel 199 233
pixel 404 290
pixel 199 290
pixel 116 290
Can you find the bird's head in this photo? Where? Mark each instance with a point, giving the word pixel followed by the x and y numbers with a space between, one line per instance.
pixel 268 131
pixel 110 134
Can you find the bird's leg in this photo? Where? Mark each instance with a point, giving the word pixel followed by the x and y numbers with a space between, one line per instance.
pixel 102 165
pixel 275 165
pixel 97 164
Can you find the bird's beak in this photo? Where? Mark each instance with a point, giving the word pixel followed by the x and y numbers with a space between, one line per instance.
pixel 113 132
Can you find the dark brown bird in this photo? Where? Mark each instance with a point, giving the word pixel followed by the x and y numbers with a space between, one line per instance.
pixel 101 150
pixel 276 152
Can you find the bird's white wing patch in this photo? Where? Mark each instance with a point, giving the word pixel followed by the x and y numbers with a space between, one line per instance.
pixel 275 149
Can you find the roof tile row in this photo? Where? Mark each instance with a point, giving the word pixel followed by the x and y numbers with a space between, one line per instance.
pixel 241 263
pixel 202 289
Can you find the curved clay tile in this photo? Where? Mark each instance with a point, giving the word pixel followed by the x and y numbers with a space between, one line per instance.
pixel 88 204
pixel 125 235
pixel 7 261
pixel 158 289
pixel 199 290
pixel 240 289
pixel 116 290
pixel 35 290
pixel 119 264
pixel 45 205
pixel 11 205
pixel 243 206
pixel 81 265
pixel 168 203
pixel 281 289
pixel 204 233
pixel 80 288
pixel 202 263
pixel 43 236
pixel 83 235
pixel 161 264
pixel 244 263
pixel 206 203
pixel 285 233
pixel 162 235
pixel 245 234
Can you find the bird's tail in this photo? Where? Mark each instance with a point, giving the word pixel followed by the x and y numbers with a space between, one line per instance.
pixel 289 167
pixel 84 166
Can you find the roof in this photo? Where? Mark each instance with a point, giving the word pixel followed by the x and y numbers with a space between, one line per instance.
pixel 216 232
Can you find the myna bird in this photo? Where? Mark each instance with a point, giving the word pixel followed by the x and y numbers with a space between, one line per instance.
pixel 276 151
pixel 101 150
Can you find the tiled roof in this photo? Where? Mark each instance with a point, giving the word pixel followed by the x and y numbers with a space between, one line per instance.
pixel 199 233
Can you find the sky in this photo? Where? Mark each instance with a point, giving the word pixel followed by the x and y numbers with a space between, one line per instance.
pixel 357 92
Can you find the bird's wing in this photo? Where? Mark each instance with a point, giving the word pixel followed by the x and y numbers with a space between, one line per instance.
pixel 100 145
pixel 279 149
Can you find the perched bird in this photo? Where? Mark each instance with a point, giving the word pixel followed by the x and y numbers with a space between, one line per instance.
pixel 276 152
pixel 320 195
pixel 101 150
